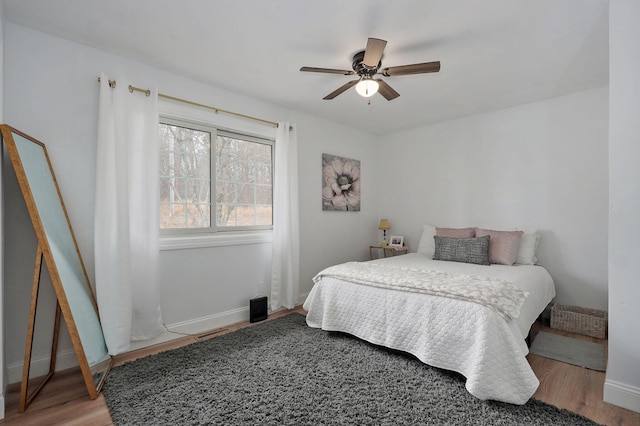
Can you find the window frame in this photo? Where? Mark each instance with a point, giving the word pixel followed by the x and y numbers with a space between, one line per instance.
pixel 214 235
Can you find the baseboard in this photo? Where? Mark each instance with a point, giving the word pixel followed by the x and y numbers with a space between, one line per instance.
pixel 195 326
pixel 201 325
pixel 622 395
pixel 40 366
pixel 210 322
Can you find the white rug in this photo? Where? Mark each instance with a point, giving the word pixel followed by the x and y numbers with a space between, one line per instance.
pixel 572 351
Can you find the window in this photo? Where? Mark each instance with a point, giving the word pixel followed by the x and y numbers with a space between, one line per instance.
pixel 213 180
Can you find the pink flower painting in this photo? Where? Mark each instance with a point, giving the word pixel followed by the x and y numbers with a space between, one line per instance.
pixel 340 183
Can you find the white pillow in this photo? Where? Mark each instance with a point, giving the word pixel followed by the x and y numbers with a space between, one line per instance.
pixel 528 247
pixel 427 244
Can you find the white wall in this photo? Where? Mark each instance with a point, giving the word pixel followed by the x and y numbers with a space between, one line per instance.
pixel 51 93
pixel 540 165
pixel 622 385
pixel 2 363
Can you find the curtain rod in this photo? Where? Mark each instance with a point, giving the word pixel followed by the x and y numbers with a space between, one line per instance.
pixel 147 92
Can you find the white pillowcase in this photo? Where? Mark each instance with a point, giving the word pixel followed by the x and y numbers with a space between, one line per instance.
pixel 528 247
pixel 427 244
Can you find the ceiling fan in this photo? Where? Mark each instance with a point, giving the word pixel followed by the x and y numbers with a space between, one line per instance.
pixel 366 64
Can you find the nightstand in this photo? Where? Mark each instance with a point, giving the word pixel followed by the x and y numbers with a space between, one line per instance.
pixel 388 251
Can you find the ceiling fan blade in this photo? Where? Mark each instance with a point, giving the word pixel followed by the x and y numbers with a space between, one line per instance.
pixel 412 69
pixel 327 70
pixel 340 89
pixel 373 52
pixel 385 90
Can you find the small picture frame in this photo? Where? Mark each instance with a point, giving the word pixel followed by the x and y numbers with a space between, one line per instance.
pixel 396 241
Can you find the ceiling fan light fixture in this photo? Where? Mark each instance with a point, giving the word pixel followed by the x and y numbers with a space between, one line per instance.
pixel 367 87
pixel 366 65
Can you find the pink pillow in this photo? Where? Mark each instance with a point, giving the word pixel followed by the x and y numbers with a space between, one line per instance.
pixel 503 245
pixel 456 232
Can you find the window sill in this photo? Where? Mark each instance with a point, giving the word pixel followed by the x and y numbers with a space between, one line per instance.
pixel 220 239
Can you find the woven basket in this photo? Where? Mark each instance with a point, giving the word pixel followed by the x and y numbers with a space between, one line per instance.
pixel 590 322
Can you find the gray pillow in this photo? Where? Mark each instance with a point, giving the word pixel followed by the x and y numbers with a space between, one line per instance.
pixel 467 250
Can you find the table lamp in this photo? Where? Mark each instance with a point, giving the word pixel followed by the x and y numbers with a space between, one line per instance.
pixel 384 226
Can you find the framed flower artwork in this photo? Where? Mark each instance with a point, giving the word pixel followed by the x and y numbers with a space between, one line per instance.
pixel 396 241
pixel 340 183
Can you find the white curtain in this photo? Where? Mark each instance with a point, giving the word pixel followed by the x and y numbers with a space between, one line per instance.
pixel 126 215
pixel 285 267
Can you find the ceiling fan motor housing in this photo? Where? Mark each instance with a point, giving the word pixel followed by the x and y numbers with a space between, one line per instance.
pixel 361 69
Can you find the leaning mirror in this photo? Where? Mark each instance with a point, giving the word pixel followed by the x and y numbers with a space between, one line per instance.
pixel 58 251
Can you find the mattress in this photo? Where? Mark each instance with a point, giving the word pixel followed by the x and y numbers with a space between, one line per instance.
pixel 444 332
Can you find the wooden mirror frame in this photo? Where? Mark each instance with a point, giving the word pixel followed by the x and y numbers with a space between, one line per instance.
pixel 59 250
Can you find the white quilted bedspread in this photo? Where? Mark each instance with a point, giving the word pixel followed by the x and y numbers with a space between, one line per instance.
pixel 500 295
pixel 448 333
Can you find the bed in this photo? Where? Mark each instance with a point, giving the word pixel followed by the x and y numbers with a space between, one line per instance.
pixel 483 342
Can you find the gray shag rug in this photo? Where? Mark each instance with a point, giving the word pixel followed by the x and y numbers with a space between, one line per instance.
pixel 282 372
pixel 572 351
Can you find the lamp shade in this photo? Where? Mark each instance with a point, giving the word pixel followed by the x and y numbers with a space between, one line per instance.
pixel 367 87
pixel 384 225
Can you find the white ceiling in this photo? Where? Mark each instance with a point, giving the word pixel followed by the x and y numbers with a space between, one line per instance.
pixel 494 53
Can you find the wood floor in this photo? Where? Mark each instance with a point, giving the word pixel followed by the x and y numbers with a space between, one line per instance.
pixel 64 400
